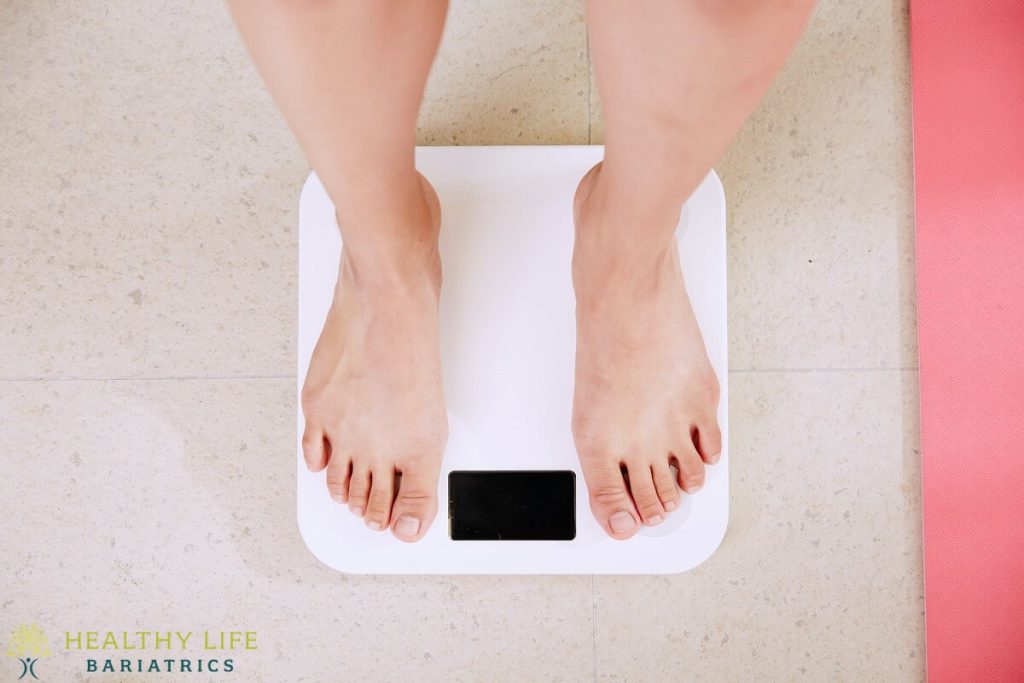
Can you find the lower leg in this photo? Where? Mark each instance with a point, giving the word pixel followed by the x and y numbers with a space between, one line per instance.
pixel 349 78
pixel 677 78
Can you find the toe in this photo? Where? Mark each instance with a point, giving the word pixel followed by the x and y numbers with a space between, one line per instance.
pixel 378 506
pixel 358 490
pixel 339 471
pixel 645 495
pixel 609 499
pixel 315 449
pixel 665 485
pixel 416 503
pixel 708 440
pixel 691 469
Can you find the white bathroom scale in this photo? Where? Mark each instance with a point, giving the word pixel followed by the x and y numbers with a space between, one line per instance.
pixel 507 340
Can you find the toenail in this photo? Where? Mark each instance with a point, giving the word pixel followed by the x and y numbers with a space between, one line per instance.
pixel 376 526
pixel 670 505
pixel 655 520
pixel 358 512
pixel 693 488
pixel 338 498
pixel 714 458
pixel 407 526
pixel 621 522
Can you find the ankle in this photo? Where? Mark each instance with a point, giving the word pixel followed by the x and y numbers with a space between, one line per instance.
pixel 623 244
pixel 396 243
pixel 616 193
pixel 392 271
pixel 618 239
pixel 603 274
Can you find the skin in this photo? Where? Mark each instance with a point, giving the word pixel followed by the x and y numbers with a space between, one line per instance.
pixel 348 77
pixel 677 78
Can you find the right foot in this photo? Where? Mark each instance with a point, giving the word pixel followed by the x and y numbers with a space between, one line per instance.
pixel 646 396
pixel 373 400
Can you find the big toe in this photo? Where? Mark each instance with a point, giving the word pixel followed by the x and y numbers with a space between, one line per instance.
pixel 415 506
pixel 708 439
pixel 610 500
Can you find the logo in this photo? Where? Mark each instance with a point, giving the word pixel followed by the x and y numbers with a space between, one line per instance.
pixel 28 643
pixel 521 194
pixel 126 652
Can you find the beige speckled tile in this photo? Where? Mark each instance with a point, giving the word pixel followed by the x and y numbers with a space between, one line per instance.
pixel 169 505
pixel 147 212
pixel 148 190
pixel 509 73
pixel 819 192
pixel 819 576
pixel 820 187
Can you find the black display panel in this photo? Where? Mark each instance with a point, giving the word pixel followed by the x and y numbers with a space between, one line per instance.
pixel 512 505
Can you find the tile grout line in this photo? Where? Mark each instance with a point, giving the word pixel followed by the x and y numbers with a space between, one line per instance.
pixel 185 378
pixel 590 87
pixel 897 368
pixel 593 626
pixel 171 378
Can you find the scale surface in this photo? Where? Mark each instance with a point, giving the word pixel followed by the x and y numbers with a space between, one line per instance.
pixel 507 339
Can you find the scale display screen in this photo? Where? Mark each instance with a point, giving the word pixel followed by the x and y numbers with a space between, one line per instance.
pixel 513 505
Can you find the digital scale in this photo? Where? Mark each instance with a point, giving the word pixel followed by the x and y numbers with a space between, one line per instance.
pixel 511 496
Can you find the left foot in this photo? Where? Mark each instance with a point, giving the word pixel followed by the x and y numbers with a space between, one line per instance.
pixel 646 395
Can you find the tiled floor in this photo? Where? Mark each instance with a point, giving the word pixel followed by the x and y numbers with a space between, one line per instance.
pixel 147 260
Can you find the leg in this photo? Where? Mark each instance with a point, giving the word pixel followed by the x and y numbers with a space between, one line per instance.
pixel 677 78
pixel 349 77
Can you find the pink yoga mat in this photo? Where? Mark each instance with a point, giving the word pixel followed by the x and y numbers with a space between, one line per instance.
pixel 968 96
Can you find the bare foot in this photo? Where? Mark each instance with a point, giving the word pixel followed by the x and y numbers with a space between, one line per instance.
pixel 373 399
pixel 646 394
